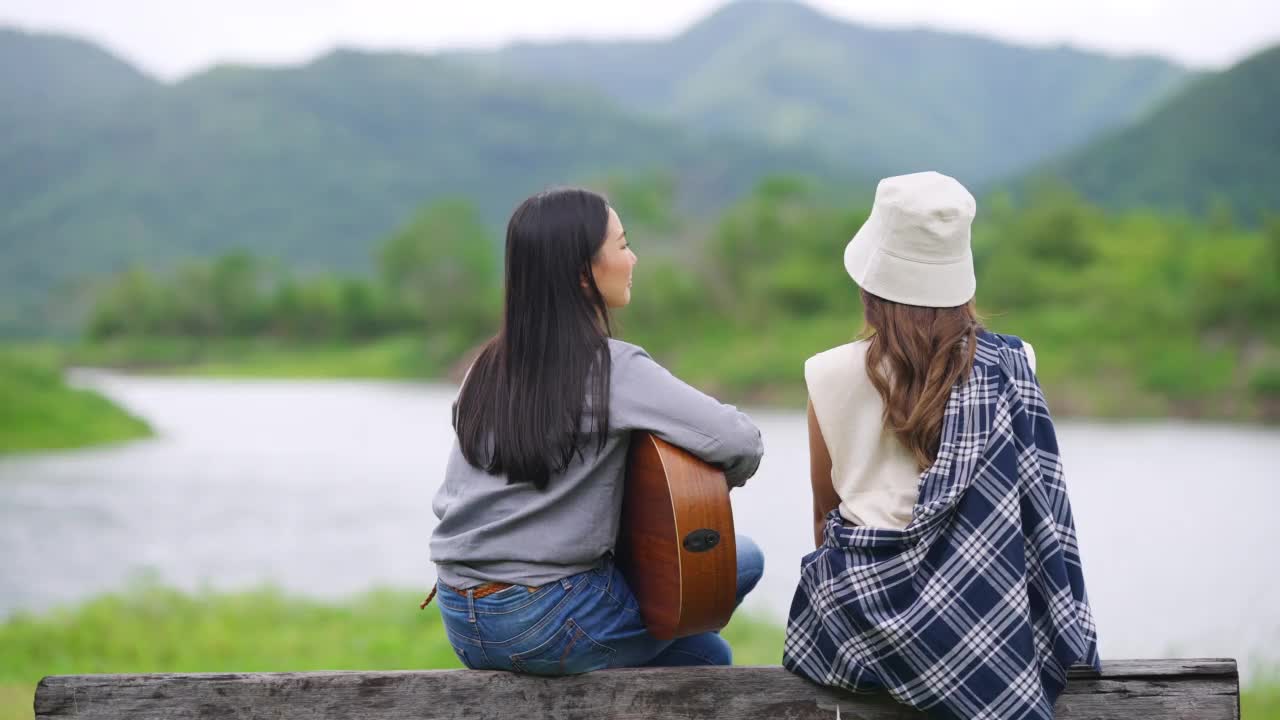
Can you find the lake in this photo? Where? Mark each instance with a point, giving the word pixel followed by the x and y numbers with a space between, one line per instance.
pixel 324 488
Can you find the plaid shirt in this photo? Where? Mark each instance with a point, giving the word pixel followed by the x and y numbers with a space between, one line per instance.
pixel 978 606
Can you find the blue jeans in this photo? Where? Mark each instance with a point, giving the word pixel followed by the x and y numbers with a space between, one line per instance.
pixel 588 621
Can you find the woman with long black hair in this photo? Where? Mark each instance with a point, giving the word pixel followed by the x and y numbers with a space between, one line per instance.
pixel 530 505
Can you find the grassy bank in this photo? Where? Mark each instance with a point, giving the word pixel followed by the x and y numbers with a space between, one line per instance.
pixel 740 365
pixel 1079 379
pixel 38 411
pixel 153 629
pixel 1261 700
pixel 394 357
pixel 731 363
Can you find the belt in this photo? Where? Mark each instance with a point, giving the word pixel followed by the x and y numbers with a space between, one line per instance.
pixel 479 591
pixel 484 590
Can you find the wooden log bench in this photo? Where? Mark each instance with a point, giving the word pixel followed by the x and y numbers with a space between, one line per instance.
pixel 1149 689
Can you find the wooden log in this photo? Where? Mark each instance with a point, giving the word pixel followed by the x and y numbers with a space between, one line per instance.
pixel 1149 689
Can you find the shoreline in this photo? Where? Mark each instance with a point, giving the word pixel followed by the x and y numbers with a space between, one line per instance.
pixel 42 412
pixel 768 397
pixel 54 415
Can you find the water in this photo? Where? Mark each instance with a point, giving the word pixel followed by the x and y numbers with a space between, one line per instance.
pixel 325 488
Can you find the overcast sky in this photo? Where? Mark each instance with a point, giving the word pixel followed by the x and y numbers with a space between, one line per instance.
pixel 171 38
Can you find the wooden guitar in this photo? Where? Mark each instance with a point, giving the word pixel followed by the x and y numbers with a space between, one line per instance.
pixel 676 544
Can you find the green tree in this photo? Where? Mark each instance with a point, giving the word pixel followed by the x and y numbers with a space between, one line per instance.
pixel 779 252
pixel 363 313
pixel 237 288
pixel 646 202
pixel 442 270
pixel 128 306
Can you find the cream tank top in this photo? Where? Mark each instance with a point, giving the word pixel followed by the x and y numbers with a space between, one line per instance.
pixel 872 473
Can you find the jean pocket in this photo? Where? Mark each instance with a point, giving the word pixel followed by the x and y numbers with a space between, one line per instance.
pixel 467 657
pixel 569 651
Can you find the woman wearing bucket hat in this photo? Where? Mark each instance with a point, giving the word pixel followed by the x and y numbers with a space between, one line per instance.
pixel 947 570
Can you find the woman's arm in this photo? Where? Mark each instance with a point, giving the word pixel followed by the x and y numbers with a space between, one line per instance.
pixel 645 396
pixel 824 493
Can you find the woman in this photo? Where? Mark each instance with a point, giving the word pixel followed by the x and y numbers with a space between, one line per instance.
pixel 530 505
pixel 947 570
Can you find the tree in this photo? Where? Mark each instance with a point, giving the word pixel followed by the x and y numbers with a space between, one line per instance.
pixel 236 286
pixel 127 306
pixel 442 270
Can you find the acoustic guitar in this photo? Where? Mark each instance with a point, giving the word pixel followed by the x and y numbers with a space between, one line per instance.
pixel 676 543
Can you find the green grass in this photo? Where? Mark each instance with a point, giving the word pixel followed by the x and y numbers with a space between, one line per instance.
pixel 40 412
pixel 740 365
pixel 1260 699
pixel 152 629
pixel 155 629
pixel 755 641
pixel 16 700
pixel 394 357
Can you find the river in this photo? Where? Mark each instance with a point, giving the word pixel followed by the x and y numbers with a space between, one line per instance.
pixel 324 488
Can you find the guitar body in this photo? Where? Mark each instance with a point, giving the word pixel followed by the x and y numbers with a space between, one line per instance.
pixel 676 544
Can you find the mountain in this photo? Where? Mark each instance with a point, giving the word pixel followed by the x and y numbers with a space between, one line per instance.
pixel 102 166
pixel 47 82
pixel 897 100
pixel 41 73
pixel 313 164
pixel 1216 141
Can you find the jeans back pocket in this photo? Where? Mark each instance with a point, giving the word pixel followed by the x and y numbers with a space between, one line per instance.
pixel 569 651
pixel 466 657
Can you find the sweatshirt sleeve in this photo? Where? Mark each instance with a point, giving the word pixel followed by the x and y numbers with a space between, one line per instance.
pixel 645 396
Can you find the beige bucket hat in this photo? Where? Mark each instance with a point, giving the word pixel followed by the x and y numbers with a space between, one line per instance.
pixel 914 247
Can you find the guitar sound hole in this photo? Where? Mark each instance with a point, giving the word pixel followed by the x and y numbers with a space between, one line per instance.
pixel 701 540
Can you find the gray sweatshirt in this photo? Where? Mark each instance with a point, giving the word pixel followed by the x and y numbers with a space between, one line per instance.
pixel 490 531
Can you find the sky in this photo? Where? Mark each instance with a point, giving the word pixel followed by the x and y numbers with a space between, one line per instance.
pixel 173 38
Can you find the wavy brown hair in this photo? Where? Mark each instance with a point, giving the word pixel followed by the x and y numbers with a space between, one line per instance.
pixel 916 356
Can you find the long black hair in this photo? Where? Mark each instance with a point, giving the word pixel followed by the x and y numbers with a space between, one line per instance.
pixel 522 405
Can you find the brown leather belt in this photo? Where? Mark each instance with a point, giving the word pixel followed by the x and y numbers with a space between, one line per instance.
pixel 484 590
pixel 479 591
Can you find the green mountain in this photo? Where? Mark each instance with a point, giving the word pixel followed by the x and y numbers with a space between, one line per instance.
pixel 47 83
pixel 897 100
pixel 43 74
pixel 316 165
pixel 1218 141
pixel 102 167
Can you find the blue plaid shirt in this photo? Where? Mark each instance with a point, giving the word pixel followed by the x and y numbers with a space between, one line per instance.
pixel 978 606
